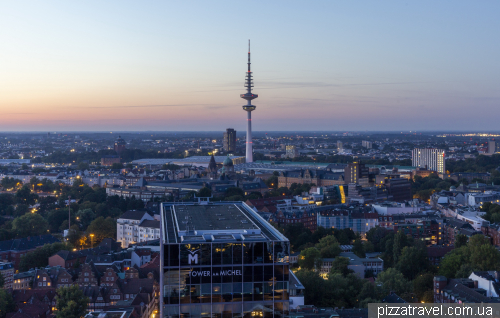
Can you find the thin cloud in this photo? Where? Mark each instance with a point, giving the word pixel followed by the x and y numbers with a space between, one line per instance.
pixel 147 106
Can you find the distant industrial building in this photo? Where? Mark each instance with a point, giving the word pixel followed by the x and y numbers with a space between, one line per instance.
pixel 229 142
pixel 430 158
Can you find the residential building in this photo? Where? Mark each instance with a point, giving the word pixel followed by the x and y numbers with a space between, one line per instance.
pixel 7 272
pixel 109 160
pixel 367 144
pixel 354 172
pixel 229 142
pixel 492 147
pixel 453 227
pixel 291 151
pixel 432 159
pixel 359 222
pixel 460 290
pixel 129 229
pixel 358 265
pixel 435 253
pixel 23 280
pixel 12 250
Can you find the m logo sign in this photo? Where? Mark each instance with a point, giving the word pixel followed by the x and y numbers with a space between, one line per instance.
pixel 193 257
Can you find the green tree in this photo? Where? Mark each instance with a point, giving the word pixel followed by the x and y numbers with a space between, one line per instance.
pixel 328 247
pixel 117 166
pixel 24 196
pixel 233 191
pixel 401 240
pixel 422 284
pixel 358 249
pixel 57 217
pixel 315 286
pixel 83 166
pixel 102 228
pixel 460 240
pixel 71 302
pixel 340 266
pixel 343 291
pixel 2 280
pixel 30 224
pixel 6 303
pixel 10 183
pixel 393 280
pixel 310 259
pixel 40 256
pixel 413 261
pixel 376 236
pixel 272 182
pixel 85 217
pixel 369 247
pixel 477 255
pixel 205 192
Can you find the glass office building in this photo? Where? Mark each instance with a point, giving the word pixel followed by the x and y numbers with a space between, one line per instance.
pixel 222 260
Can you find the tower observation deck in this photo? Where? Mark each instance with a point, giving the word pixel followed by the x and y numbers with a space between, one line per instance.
pixel 249 96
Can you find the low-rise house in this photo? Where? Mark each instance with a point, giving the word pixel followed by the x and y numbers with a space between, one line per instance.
pixel 359 265
pixel 52 277
pixel 460 290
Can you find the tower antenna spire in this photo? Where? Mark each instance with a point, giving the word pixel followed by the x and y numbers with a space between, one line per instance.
pixel 249 96
pixel 249 55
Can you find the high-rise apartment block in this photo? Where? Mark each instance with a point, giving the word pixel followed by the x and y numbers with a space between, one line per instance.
pixel 340 146
pixel 354 172
pixel 367 144
pixel 430 158
pixel 229 142
pixel 492 147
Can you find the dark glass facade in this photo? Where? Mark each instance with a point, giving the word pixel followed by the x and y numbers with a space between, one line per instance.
pixel 226 279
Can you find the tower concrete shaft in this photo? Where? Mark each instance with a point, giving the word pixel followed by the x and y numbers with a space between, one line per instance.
pixel 249 96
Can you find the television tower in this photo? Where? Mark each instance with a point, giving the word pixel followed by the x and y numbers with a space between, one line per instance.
pixel 249 96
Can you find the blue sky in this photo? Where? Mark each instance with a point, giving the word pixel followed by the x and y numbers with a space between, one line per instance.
pixel 318 65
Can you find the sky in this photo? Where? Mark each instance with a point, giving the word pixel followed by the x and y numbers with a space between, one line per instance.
pixel 317 65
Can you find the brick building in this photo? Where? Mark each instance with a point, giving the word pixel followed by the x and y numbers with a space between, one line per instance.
pixel 306 217
pixel 12 250
pixel 454 227
pixel 7 271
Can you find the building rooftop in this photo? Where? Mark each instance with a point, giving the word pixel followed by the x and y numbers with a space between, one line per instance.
pixel 209 218
pixel 210 222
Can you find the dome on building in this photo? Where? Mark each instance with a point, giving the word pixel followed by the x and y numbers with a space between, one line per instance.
pixel 228 162
pixel 120 141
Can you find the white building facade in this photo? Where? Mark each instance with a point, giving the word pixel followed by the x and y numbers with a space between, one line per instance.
pixel 432 158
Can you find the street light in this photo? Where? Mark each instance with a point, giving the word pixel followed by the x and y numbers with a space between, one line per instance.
pixel 92 240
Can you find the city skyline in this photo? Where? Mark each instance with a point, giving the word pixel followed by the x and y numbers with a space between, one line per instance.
pixel 322 67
